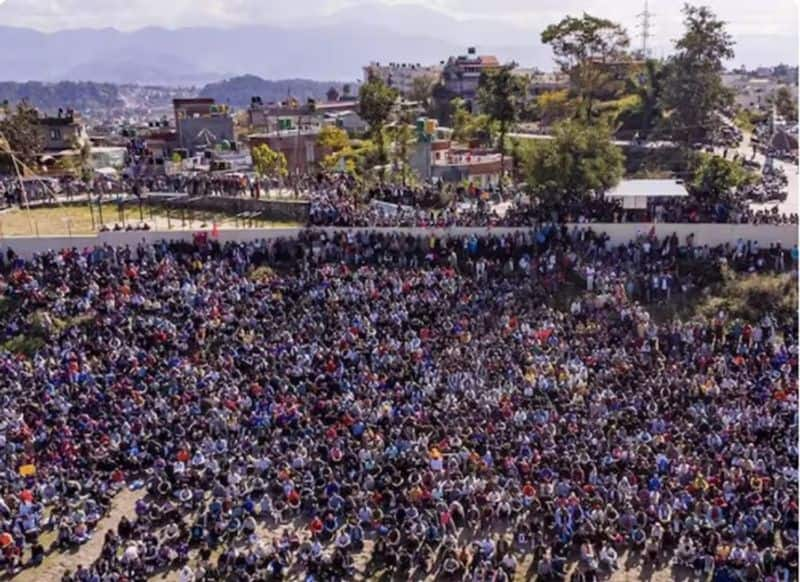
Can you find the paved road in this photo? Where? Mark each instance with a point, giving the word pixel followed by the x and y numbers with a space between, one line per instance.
pixel 788 206
pixel 618 142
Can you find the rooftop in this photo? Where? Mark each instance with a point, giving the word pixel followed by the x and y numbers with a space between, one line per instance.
pixel 649 188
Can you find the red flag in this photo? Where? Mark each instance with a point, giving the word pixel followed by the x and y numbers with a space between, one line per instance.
pixel 214 231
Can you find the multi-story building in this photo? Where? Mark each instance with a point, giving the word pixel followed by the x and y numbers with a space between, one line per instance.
pixel 460 78
pixel 289 115
pixel 62 131
pixel 298 145
pixel 401 76
pixel 539 82
pixel 201 123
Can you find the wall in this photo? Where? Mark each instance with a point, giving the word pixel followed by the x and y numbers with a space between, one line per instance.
pixel 295 147
pixel 711 234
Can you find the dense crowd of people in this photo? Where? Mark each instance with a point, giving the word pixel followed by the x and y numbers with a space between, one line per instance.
pixel 335 204
pixel 391 403
pixel 337 200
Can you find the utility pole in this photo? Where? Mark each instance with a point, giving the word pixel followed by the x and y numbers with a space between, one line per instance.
pixel 645 24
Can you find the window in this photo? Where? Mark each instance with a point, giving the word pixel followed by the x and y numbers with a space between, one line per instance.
pixel 310 152
pixel 55 134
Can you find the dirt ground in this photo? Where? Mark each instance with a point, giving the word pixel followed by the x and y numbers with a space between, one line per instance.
pixel 56 563
pixel 78 220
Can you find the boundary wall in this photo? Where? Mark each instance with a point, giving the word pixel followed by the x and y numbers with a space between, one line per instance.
pixel 619 233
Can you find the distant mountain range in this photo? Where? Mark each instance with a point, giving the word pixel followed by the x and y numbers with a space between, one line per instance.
pixel 90 97
pixel 333 47
pixel 238 91
pixel 84 97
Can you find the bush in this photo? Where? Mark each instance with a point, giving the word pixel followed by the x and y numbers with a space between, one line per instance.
pixel 750 297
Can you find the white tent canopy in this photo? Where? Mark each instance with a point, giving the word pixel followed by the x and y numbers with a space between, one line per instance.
pixel 635 194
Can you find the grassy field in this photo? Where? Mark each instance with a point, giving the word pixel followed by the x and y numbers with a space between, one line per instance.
pixel 77 220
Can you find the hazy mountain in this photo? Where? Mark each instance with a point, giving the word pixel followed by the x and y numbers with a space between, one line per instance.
pixel 334 47
pixel 239 90
pixel 85 97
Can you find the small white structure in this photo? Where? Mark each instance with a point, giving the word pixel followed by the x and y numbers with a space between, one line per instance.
pixel 637 194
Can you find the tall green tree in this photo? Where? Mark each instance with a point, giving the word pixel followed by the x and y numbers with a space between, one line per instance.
pixel 334 142
pixel 648 84
pixel 422 90
pixel 693 93
pixel 461 119
pixel 500 94
pixel 785 104
pixel 716 179
pixel 375 102
pixel 580 160
pixel 267 162
pixel 588 49
pixel 402 134
pixel 19 130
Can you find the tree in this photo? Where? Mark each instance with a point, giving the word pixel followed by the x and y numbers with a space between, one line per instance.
pixel 20 132
pixel 587 49
pixel 376 101
pixel 715 179
pixel 83 159
pixel 785 104
pixel 422 90
pixel 461 119
pixel 554 106
pixel 580 160
pixel 268 162
pixel 333 141
pixel 346 90
pixel 693 92
pixel 647 85
pixel 500 92
pixel 402 135
pixel 467 127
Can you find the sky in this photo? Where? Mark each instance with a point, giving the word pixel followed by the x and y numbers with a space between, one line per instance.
pixel 766 31
pixel 744 16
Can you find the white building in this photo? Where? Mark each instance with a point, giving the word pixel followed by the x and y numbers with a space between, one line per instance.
pixel 401 76
pixel 754 92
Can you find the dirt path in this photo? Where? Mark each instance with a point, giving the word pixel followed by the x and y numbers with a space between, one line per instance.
pixel 56 563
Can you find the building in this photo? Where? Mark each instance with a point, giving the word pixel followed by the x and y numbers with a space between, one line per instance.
pixel 481 168
pixel 460 79
pixel 539 82
pixel 298 145
pixel 200 123
pixel 401 76
pixel 289 115
pixel 755 92
pixel 645 194
pixel 61 132
pixel 350 121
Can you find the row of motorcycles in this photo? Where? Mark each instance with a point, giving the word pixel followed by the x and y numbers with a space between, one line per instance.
pixel 772 187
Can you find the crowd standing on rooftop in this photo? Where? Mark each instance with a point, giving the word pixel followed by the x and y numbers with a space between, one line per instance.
pixel 398 398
